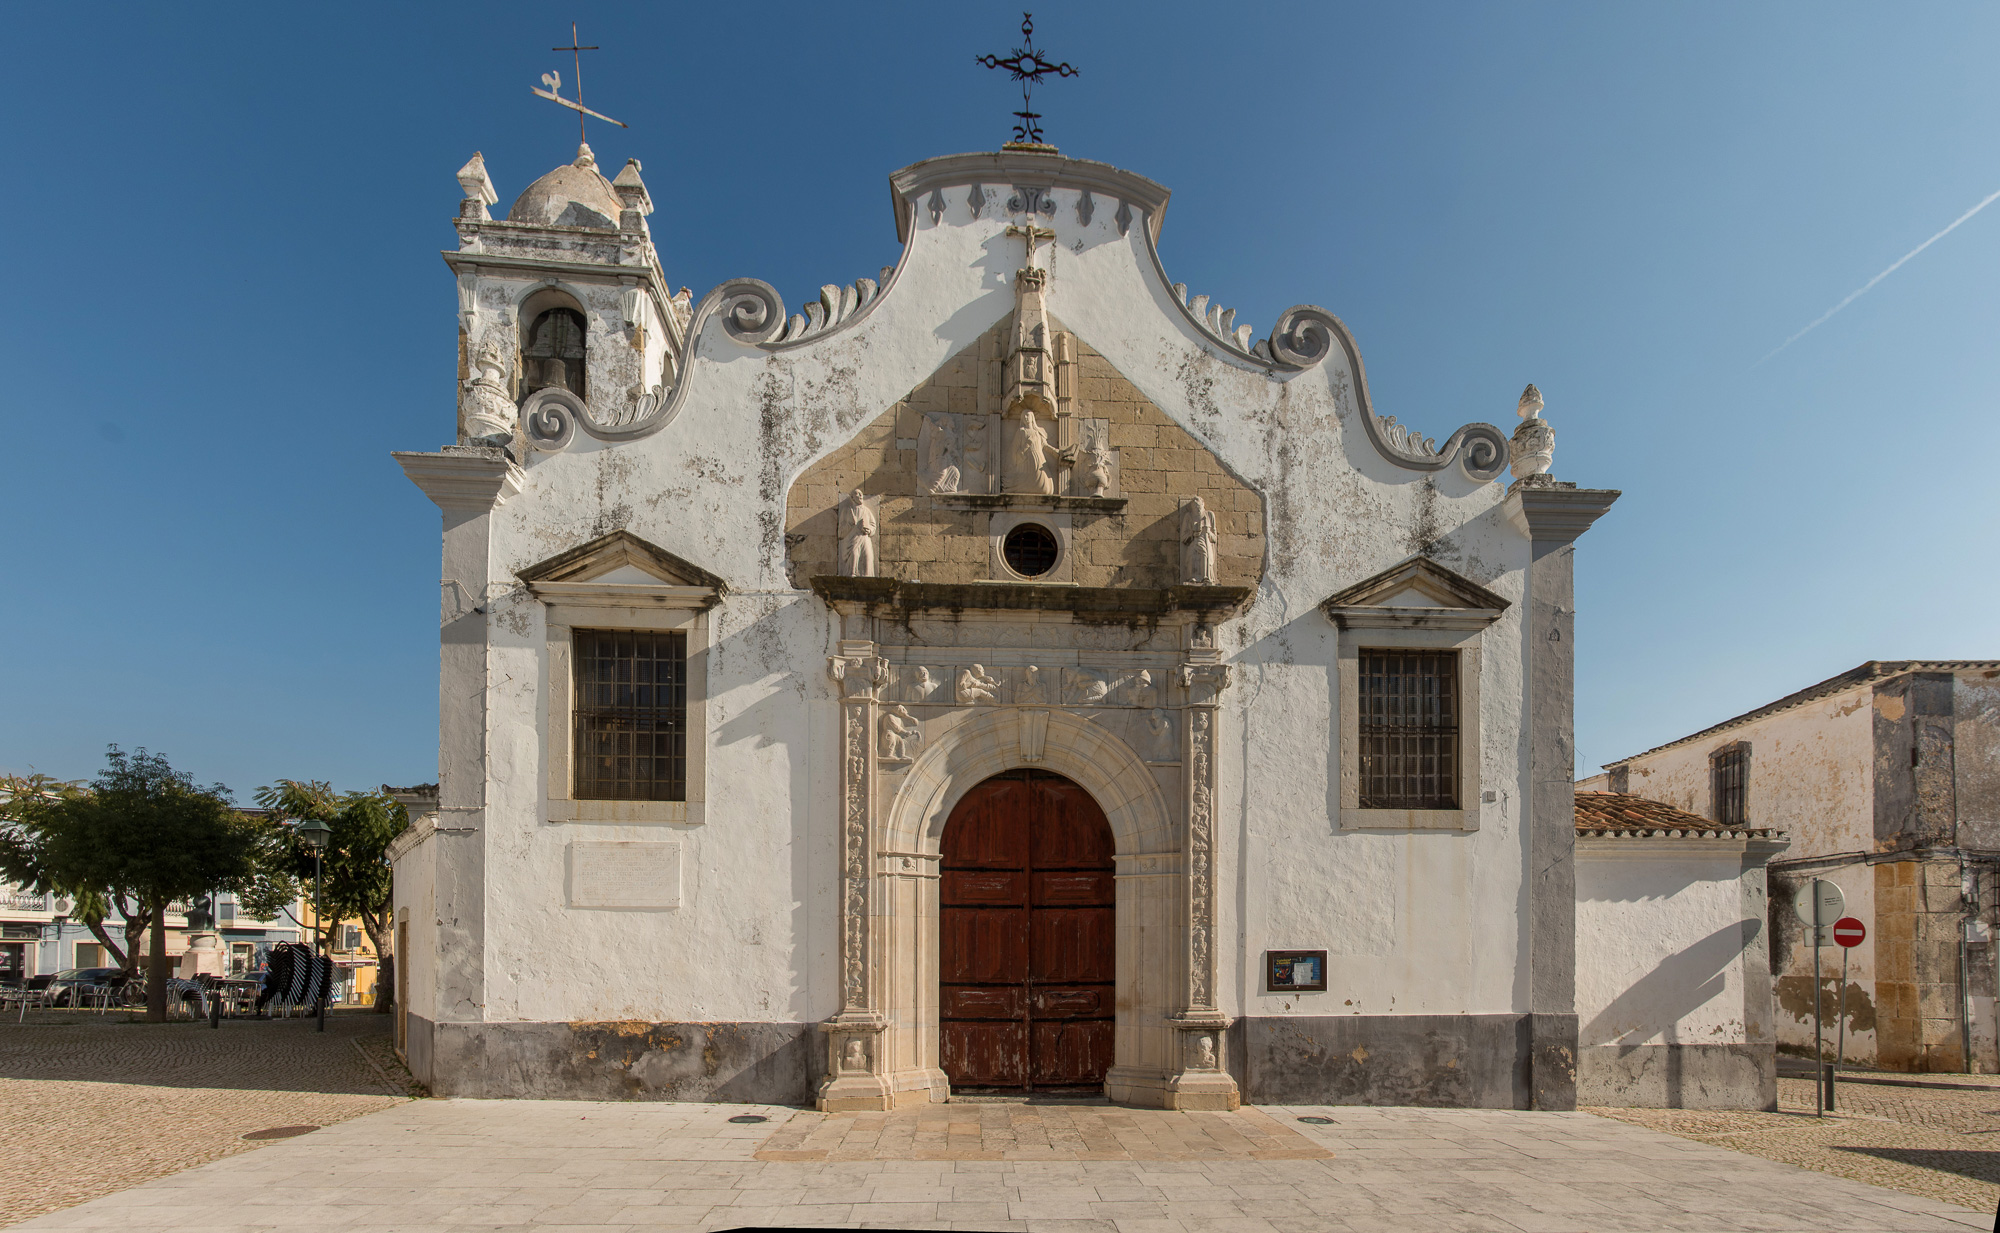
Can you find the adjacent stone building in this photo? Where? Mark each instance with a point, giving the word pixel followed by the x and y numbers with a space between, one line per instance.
pixel 1007 672
pixel 1887 779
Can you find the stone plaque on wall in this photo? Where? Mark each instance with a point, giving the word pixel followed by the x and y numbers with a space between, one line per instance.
pixel 624 874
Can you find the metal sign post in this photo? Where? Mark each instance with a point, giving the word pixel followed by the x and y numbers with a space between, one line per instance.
pixel 1848 933
pixel 1819 903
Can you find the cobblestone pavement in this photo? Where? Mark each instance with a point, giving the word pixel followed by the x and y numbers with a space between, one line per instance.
pixel 1020 1131
pixel 563 1167
pixel 91 1104
pixel 1940 1144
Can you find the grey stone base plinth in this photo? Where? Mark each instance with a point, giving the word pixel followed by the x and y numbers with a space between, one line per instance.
pixel 1440 1061
pixel 1679 1076
pixel 754 1063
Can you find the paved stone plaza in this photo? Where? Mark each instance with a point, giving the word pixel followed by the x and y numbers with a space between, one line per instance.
pixel 106 1122
pixel 464 1165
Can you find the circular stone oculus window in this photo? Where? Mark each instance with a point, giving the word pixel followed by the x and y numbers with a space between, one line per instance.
pixel 1030 550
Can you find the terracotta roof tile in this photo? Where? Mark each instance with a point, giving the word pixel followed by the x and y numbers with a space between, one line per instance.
pixel 1621 813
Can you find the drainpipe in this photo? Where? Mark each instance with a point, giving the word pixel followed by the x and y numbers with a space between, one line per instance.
pixel 1965 920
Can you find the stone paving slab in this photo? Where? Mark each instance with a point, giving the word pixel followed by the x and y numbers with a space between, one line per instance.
pixel 93 1103
pixel 559 1166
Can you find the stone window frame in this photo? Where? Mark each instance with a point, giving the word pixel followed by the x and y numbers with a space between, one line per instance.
pixel 1737 753
pixel 1397 636
pixel 1055 522
pixel 666 609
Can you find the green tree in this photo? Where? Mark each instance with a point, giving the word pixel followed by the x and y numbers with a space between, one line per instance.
pixel 25 805
pixel 146 833
pixel 355 875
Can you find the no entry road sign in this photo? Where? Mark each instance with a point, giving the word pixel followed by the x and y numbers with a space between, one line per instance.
pixel 1848 931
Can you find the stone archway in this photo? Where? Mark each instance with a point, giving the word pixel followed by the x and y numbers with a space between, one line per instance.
pixel 1151 907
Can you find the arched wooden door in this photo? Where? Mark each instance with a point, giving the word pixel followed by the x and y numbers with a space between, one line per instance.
pixel 1026 937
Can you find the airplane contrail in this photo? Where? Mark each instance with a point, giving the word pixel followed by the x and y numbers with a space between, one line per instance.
pixel 1884 274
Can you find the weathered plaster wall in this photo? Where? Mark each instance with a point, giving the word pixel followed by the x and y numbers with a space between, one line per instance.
pixel 1811 774
pixel 1673 983
pixel 1417 924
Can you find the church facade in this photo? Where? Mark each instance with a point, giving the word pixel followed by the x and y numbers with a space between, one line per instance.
pixel 1006 673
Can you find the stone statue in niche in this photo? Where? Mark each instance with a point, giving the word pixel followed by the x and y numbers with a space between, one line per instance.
pixel 489 413
pixel 1160 743
pixel 1033 688
pixel 975 686
pixel 941 474
pixel 1197 543
pixel 855 1057
pixel 1024 467
pixel 858 528
pixel 901 734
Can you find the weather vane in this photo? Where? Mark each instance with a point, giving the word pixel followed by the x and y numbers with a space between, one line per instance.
pixel 1028 68
pixel 554 83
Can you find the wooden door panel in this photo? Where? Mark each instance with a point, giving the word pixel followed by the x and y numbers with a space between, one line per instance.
pixel 984 1054
pixel 983 1002
pixel 1072 1002
pixel 1075 1053
pixel 1074 888
pixel 1027 942
pixel 983 946
pixel 977 888
pixel 1072 945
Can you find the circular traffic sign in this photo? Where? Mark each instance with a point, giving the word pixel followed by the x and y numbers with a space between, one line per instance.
pixel 1848 931
pixel 1819 903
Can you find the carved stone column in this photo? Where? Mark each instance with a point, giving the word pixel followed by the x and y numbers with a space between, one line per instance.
pixel 1198 1079
pixel 856 1071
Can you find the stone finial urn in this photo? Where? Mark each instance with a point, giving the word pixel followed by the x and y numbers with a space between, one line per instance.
pixel 1534 446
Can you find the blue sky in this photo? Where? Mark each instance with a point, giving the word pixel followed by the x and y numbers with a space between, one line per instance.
pixel 228 306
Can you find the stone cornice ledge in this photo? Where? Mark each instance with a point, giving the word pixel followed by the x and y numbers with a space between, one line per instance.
pixel 1552 512
pixel 1101 603
pixel 463 479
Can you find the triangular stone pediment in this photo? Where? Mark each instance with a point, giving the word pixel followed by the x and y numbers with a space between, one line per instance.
pixel 622 559
pixel 1418 592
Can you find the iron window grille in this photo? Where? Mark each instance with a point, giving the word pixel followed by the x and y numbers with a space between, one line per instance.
pixel 631 716
pixel 1728 783
pixel 1409 729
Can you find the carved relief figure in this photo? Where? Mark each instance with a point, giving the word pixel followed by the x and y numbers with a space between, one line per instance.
pixel 1145 690
pixel 923 685
pixel 941 474
pixel 857 536
pixel 1160 743
pixel 1033 687
pixel 1024 468
pixel 901 734
pixel 1197 543
pixel 1204 1053
pixel 973 465
pixel 974 686
pixel 489 413
pixel 1087 688
pixel 1096 478
pixel 856 1055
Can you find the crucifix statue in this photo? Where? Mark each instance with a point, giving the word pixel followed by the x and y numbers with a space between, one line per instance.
pixel 1031 234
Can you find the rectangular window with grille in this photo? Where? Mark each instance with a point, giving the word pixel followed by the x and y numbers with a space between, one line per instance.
pixel 1409 729
pixel 1728 779
pixel 631 716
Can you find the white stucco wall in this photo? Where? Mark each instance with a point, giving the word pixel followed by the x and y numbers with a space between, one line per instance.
pixel 1422 922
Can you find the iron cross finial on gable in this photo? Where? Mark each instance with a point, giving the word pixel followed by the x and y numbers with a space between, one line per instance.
pixel 1028 67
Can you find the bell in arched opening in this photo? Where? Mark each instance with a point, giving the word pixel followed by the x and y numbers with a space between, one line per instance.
pixel 553 353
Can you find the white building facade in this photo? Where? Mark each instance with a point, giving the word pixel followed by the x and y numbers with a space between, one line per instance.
pixel 1008 672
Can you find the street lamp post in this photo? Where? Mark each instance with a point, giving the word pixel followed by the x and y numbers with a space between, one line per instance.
pixel 316 833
